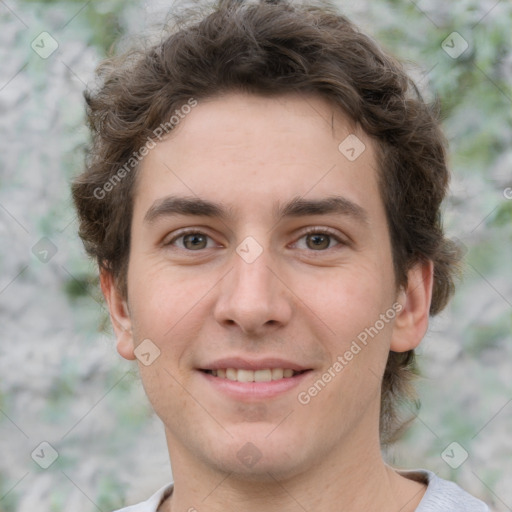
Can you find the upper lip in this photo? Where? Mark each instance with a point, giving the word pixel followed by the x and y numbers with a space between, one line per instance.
pixel 241 363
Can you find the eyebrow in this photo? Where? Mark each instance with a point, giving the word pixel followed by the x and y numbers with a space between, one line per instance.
pixel 297 207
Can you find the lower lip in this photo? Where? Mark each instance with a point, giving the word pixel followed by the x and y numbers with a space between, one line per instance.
pixel 255 390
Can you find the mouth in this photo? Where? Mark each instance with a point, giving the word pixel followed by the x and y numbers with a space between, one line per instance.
pixel 262 375
pixel 248 381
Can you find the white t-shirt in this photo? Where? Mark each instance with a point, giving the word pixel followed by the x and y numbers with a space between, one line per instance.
pixel 441 496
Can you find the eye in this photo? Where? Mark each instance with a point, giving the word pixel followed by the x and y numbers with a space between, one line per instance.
pixel 319 240
pixel 191 241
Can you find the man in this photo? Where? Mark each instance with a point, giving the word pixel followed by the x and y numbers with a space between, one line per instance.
pixel 262 197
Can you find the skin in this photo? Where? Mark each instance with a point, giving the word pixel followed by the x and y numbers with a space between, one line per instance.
pixel 303 299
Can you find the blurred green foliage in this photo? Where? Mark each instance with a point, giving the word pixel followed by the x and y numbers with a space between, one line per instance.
pixel 102 17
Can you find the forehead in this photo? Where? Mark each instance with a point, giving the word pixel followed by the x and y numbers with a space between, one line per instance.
pixel 250 151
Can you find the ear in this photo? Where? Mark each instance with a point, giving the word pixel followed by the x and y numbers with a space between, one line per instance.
pixel 411 323
pixel 119 315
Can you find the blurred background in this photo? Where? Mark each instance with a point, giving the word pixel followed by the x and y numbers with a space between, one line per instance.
pixel 76 431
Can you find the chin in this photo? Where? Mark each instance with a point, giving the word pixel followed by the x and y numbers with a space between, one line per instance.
pixel 267 470
pixel 254 455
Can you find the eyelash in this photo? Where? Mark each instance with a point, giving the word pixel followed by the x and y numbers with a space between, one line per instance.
pixel 309 231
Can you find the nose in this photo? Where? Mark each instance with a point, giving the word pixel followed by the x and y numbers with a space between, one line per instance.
pixel 253 297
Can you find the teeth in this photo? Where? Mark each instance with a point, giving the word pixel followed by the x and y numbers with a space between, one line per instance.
pixel 231 374
pixel 261 375
pixel 265 375
pixel 245 376
pixel 277 373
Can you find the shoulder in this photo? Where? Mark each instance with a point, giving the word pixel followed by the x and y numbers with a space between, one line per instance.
pixel 152 504
pixel 443 496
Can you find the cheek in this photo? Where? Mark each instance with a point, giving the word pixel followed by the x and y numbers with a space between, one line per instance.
pixel 350 305
pixel 348 300
pixel 161 299
pixel 164 389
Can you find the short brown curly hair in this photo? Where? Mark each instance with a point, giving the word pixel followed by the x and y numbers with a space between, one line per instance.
pixel 274 48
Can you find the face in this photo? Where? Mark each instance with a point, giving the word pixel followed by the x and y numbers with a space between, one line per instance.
pixel 261 273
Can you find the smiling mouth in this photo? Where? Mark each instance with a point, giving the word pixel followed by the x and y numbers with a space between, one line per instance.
pixel 265 375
